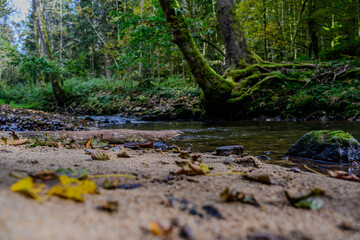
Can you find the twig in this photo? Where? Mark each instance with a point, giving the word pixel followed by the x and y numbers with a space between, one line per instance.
pixel 226 173
pixel 341 72
pixel 312 170
pixel 112 175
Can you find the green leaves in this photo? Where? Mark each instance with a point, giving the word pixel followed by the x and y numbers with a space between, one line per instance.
pixel 312 200
pixel 79 173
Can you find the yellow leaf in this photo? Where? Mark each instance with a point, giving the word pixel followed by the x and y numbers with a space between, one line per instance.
pixel 157 229
pixel 73 188
pixel 37 191
pixel 66 187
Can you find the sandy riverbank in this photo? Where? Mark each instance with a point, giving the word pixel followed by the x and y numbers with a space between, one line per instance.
pixel 24 218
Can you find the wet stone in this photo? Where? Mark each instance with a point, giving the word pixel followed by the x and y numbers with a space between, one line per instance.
pixel 227 150
pixel 334 147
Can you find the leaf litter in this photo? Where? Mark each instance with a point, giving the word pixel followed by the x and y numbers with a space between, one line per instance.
pixel 232 195
pixel 62 186
pixel 312 200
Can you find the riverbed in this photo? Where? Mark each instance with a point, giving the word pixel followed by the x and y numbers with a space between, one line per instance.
pixel 271 138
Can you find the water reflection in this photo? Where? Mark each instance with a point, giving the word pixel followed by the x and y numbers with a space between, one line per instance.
pixel 257 137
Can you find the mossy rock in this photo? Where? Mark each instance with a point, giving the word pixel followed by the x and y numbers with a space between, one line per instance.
pixel 335 147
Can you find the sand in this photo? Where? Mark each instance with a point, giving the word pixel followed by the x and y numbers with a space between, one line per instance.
pixel 57 218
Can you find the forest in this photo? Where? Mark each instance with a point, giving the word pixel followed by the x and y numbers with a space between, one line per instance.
pixel 286 58
pixel 180 119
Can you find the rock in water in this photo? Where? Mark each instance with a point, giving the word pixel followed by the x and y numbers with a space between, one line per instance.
pixel 335 147
pixel 227 150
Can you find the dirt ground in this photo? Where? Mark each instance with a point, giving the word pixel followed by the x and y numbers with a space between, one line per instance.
pixel 189 201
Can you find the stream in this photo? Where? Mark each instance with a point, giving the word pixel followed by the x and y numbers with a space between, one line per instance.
pixel 256 137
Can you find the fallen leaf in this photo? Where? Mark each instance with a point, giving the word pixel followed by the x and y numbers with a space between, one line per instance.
pixel 196 158
pixel 159 230
pixel 79 173
pixel 109 206
pixel 193 169
pixel 262 178
pixel 123 155
pixel 343 175
pixel 184 155
pixel 88 144
pixel 232 195
pixel 14 135
pixel 73 188
pixel 64 186
pixel 17 142
pixel 312 200
pixel 4 140
pixel 97 142
pixel 175 148
pixel 35 190
pixel 97 155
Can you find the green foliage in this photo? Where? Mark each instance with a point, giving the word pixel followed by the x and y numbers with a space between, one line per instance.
pixel 94 96
pixel 347 49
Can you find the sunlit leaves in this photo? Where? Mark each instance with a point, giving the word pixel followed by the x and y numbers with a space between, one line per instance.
pixel 64 186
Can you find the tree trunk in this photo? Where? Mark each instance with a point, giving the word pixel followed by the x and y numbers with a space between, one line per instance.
pixel 237 53
pixel 216 89
pixel 314 42
pixel 57 89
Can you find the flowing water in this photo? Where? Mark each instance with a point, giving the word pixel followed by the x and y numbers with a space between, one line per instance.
pixel 256 137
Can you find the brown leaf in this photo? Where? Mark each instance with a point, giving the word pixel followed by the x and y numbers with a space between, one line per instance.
pixel 88 144
pixel 97 155
pixel 14 135
pixel 232 195
pixel 123 155
pixel 193 169
pixel 343 175
pixel 18 142
pixel 195 158
pixel 184 155
pixel 109 206
pixel 262 178
pixel 197 170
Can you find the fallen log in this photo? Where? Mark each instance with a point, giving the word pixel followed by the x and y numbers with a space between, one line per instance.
pixel 112 136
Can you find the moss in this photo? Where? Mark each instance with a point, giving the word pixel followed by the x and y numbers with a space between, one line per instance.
pixel 338 137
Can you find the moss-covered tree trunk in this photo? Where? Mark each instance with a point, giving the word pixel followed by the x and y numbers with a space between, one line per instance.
pixel 237 53
pixel 59 93
pixel 216 89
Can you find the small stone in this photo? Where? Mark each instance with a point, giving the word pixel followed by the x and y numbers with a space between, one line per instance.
pixel 295 169
pixel 228 160
pixel 264 158
pixel 227 150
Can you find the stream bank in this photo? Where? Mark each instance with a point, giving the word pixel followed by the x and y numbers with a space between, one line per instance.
pixel 189 201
